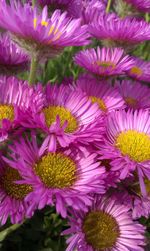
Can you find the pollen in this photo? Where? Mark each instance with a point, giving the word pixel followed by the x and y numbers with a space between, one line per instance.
pixel 56 170
pixel 56 32
pixel 101 230
pixel 131 102
pixel 100 103
pixel 134 144
pixel 15 191
pixel 7 112
pixel 136 71
pixel 51 112
pixel 106 64
pixel 44 23
pixel 34 22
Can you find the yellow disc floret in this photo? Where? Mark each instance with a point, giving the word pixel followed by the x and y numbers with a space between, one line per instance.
pixel 134 144
pixel 6 112
pixel 56 170
pixel 136 71
pixel 51 112
pixel 106 64
pixel 100 103
pixel 15 191
pixel 101 230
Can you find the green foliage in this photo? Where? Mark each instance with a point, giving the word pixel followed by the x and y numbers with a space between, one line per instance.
pixel 40 233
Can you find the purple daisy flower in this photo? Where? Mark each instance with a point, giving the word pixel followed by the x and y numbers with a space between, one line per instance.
pixel 106 226
pixel 12 59
pixel 127 144
pixel 63 178
pixel 135 95
pixel 141 5
pixel 12 196
pixel 120 32
pixel 104 62
pixel 140 71
pixel 16 98
pixel 67 116
pixel 39 35
pixel 100 92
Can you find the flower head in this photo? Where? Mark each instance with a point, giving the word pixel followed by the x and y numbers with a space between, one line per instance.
pixel 141 5
pixel 140 70
pixel 106 226
pixel 67 116
pixel 16 97
pixel 62 178
pixel 120 32
pixel 12 59
pixel 135 95
pixel 127 144
pixel 104 62
pixel 100 92
pixel 38 34
pixel 13 195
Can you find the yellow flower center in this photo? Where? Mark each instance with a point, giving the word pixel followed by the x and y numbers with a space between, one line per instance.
pixel 51 112
pixel 136 71
pixel 136 145
pixel 15 191
pixel 131 102
pixel 100 103
pixel 105 64
pixel 56 170
pixel 6 112
pixel 101 230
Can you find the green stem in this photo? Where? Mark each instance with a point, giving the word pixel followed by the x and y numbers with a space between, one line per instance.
pixel 33 70
pixel 8 230
pixel 147 17
pixel 108 6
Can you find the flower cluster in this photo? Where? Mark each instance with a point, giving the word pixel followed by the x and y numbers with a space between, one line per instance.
pixel 82 146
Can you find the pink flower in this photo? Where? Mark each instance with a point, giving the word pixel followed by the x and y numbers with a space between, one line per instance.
pixel 120 32
pixel 127 144
pixel 16 100
pixel 107 225
pixel 67 116
pixel 12 196
pixel 62 178
pixel 39 35
pixel 135 95
pixel 140 71
pixel 104 62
